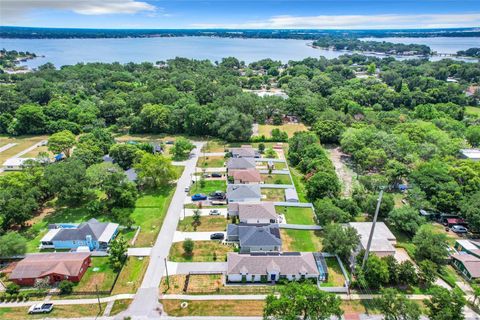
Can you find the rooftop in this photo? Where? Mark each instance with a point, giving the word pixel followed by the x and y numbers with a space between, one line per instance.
pixel 286 263
pixel 246 175
pixel 262 210
pixel 471 263
pixel 471 153
pixel 243 191
pixel 240 163
pixel 100 231
pixel 256 234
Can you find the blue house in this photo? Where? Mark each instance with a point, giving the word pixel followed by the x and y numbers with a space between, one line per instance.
pixel 92 234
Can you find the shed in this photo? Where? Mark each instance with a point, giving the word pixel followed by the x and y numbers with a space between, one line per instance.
pixel 291 195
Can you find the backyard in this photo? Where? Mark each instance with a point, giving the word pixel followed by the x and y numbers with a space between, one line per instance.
pixel 209 187
pixel 131 275
pixel 335 274
pixel 276 179
pixel 211 162
pixel 203 251
pixel 297 215
pixel 99 276
pixel 273 194
pixel 301 240
pixel 289 128
pixel 206 223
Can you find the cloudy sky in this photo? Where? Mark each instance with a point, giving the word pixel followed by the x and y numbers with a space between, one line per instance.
pixel 273 14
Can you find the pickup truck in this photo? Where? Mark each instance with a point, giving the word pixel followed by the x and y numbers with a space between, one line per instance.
pixel 41 308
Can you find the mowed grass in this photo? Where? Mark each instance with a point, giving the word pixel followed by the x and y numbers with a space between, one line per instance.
pixel 472 110
pixel 211 162
pixel 297 215
pixel 276 179
pixel 22 143
pixel 203 251
pixel 301 240
pixel 297 177
pixel 209 187
pixel 289 128
pixel 131 276
pixel 273 194
pixel 335 274
pixel 98 276
pixel 214 308
pixel 120 306
pixel 59 311
pixel 213 146
pixel 207 223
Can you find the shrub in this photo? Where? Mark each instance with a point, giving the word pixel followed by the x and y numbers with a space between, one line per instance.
pixel 13 288
pixel 66 287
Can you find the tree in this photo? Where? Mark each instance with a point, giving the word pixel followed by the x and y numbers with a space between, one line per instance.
pixel 12 244
pixel 385 207
pixel 327 212
pixel 155 171
pixel 301 300
pixel 298 143
pixel 270 153
pixel 153 118
pixel 427 273
pixel 376 272
pixel 68 180
pixel 470 208
pixel 117 253
pixel 323 184
pixel 406 219
pixel 396 306
pixel 261 147
pixel 232 125
pixel 329 131
pixel 61 142
pixel 340 240
pixel 125 155
pixel 196 219
pixel 65 286
pixel 445 304
pixel 407 275
pixel 430 245
pixel 12 288
pixel 30 119
pixel 371 69
pixel 473 135
pixel 181 149
pixel 188 246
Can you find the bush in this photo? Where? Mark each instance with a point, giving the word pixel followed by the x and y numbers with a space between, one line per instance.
pixel 66 287
pixel 2 297
pixel 13 288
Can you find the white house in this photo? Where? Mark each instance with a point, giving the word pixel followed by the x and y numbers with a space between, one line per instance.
pixel 383 241
pixel 16 164
pixel 472 154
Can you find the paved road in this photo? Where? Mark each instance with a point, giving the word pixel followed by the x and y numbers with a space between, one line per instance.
pixel 195 236
pixel 68 301
pixel 146 303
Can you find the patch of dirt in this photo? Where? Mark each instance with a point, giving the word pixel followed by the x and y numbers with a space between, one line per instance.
pixel 344 173
pixel 42 214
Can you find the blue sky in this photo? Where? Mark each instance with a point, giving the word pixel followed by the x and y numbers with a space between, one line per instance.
pixel 273 14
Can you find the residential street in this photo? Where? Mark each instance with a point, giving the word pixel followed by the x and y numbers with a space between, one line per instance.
pixel 145 304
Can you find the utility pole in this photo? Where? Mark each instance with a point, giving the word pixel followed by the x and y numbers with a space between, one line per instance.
pixel 98 298
pixel 166 270
pixel 365 257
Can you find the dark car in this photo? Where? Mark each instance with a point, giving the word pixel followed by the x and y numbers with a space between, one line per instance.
pixel 217 195
pixel 199 197
pixel 216 175
pixel 217 236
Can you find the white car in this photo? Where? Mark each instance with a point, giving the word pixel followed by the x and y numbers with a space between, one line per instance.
pixel 214 212
pixel 41 308
pixel 459 229
pixel 187 189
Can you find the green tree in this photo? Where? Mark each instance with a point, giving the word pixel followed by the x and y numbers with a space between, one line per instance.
pixel 29 120
pixel 12 244
pixel 340 240
pixel 301 300
pixel 473 135
pixel 394 305
pixel 68 180
pixel 270 153
pixel 376 272
pixel 323 184
pixel 153 118
pixel 188 246
pixel 427 273
pixel 327 212
pixel 470 208
pixel 430 245
pixel 385 207
pixel 407 274
pixel 406 219
pixel 12 288
pixel 329 131
pixel 117 253
pixel 181 149
pixel 155 171
pixel 125 155
pixel 371 68
pixel 65 286
pixel 445 304
pixel 62 141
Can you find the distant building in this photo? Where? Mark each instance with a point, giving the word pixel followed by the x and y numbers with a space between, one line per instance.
pixel 243 193
pixel 468 246
pixel 131 175
pixel 255 237
pixel 57 266
pixel 467 264
pixel 383 241
pixel 472 154
pixel 262 212
pixel 244 152
pixel 16 164
pixel 245 176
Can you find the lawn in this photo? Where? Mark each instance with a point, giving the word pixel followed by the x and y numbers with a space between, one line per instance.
pixel 120 306
pixel 472 110
pixel 335 274
pixel 213 146
pixel 301 240
pixel 297 177
pixel 22 143
pixel 210 186
pixel 98 276
pixel 276 179
pixel 290 128
pixel 278 165
pixel 207 223
pixel 297 215
pixel 274 194
pixel 59 311
pixel 211 162
pixel 214 308
pixel 131 275
pixel 203 251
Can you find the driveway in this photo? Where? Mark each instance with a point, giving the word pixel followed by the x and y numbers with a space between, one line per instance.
pixel 139 252
pixel 203 212
pixel 195 236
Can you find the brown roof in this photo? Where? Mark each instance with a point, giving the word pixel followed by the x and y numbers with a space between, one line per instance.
pixel 290 263
pixel 246 175
pixel 42 264
pixel 262 210
pixel 471 263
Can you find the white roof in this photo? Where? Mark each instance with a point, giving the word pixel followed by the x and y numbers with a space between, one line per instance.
pixel 108 232
pixel 50 235
pixel 291 193
pixel 16 161
pixel 83 249
pixel 471 153
pixel 381 230
pixel 378 245
pixel 467 244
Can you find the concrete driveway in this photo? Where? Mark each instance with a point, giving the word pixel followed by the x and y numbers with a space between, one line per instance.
pixel 204 212
pixel 195 236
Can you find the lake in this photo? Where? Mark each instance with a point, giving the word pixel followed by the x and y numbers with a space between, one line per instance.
pixel 71 51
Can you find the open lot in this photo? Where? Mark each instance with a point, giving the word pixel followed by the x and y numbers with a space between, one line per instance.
pixel 131 276
pixel 209 187
pixel 273 194
pixel 214 146
pixel 301 240
pixel 67 311
pixel 290 128
pixel 203 251
pixel 22 143
pixel 297 215
pixel 211 162
pixel 207 223
pixel 276 178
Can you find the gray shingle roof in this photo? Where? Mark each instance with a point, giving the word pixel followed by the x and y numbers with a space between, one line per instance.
pixel 92 227
pixel 243 191
pixel 256 234
pixel 262 210
pixel 240 163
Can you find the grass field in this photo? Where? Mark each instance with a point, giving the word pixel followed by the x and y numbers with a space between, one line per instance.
pixel 297 177
pixel 301 240
pixel 274 194
pixel 213 146
pixel 276 179
pixel 22 143
pixel 335 275
pixel 131 275
pixel 297 215
pixel 211 162
pixel 203 251
pixel 472 110
pixel 120 306
pixel 59 311
pixel 210 186
pixel 207 223
pixel 99 274
pixel 290 128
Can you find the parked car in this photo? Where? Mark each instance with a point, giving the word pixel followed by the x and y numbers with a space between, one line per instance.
pixel 214 212
pixel 217 236
pixel 216 175
pixel 217 195
pixel 206 175
pixel 459 229
pixel 169 142
pixel 41 308
pixel 199 197
pixel 187 189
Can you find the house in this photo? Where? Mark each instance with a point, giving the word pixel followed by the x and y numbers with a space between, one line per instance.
pixel 244 152
pixel 57 266
pixel 131 175
pixel 240 163
pixel 472 90
pixel 273 267
pixel 16 164
pixel 468 246
pixel 92 234
pixel 450 222
pixel 467 264
pixel 383 241
pixel 245 176
pixel 262 212
pixel 255 237
pixel 291 195
pixel 472 154
pixel 243 193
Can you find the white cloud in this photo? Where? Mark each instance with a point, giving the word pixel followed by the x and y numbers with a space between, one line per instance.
pixel 13 10
pixel 382 21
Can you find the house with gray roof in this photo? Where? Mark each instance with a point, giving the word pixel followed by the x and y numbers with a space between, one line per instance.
pixel 240 163
pixel 244 152
pixel 243 193
pixel 271 267
pixel 92 234
pixel 255 237
pixel 261 212
pixel 383 240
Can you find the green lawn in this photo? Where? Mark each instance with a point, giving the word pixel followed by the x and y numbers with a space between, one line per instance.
pixel 301 240
pixel 472 110
pixel 131 276
pixel 276 179
pixel 99 274
pixel 203 251
pixel 274 194
pixel 213 146
pixel 207 223
pixel 297 177
pixel 211 162
pixel 59 311
pixel 120 306
pixel 210 186
pixel 289 128
pixel 335 274
pixel 297 215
